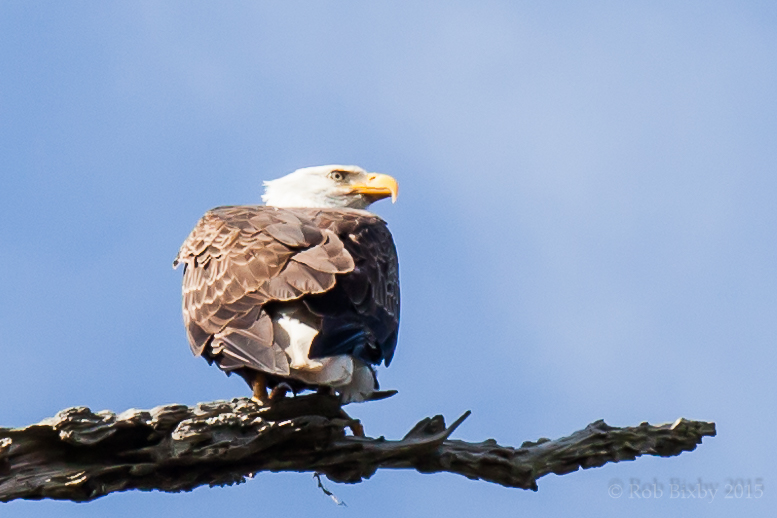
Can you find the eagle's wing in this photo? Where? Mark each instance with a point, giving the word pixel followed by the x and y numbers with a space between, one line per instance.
pixel 240 259
pixel 361 312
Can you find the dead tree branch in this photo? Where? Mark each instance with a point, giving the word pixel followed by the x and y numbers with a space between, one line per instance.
pixel 80 455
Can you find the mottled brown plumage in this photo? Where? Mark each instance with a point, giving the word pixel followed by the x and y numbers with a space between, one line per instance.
pixel 335 267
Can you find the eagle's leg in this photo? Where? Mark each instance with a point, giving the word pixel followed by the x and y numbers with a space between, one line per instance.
pixel 356 426
pixel 326 390
pixel 259 386
pixel 280 391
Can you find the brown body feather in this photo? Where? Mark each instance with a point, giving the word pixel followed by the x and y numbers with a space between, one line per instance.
pixel 337 267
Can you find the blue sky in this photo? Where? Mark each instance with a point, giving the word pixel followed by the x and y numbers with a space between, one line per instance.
pixel 586 223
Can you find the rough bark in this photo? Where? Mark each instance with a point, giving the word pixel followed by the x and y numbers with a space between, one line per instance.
pixel 80 455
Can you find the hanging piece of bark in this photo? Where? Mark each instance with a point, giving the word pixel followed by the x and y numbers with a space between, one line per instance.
pixel 79 455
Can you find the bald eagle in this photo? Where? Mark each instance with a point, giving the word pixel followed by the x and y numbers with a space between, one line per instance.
pixel 301 293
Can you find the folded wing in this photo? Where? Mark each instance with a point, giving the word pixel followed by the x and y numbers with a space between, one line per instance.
pixel 244 264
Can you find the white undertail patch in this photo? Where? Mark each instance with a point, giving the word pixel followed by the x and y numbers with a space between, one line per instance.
pixel 361 386
pixel 352 378
pixel 298 338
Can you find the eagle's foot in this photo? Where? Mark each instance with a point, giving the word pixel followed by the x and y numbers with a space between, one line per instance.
pixel 326 390
pixel 357 429
pixel 279 392
pixel 259 386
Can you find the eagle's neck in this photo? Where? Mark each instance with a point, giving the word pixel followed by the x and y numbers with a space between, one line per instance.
pixel 284 197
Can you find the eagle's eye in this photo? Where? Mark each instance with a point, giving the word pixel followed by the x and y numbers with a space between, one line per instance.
pixel 337 176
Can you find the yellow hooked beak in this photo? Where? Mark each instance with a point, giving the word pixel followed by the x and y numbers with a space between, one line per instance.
pixel 378 186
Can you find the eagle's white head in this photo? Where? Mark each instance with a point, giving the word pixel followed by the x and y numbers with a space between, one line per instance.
pixel 329 187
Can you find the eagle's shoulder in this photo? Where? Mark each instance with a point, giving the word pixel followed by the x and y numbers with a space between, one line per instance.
pixel 227 229
pixel 343 221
